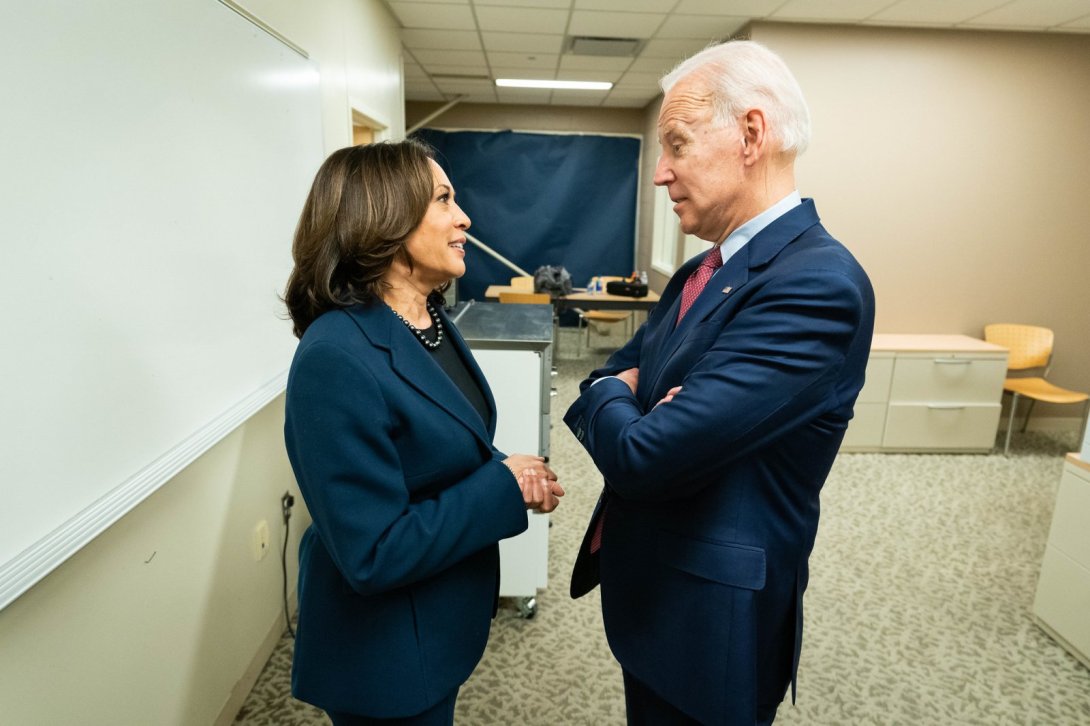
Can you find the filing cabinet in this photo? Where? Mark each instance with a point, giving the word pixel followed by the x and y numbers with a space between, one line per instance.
pixel 929 393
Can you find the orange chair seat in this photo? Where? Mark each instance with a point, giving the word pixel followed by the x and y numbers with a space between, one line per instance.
pixel 1042 390
pixel 606 316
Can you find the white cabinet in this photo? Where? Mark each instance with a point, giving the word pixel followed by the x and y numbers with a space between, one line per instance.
pixel 929 393
pixel 869 423
pixel 1062 605
pixel 513 346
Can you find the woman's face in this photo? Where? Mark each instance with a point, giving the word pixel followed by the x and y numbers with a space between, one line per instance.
pixel 437 245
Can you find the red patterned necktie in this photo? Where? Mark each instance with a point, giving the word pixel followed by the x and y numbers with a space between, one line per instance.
pixel 713 260
pixel 596 538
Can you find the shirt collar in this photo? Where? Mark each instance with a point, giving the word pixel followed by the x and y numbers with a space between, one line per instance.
pixel 737 239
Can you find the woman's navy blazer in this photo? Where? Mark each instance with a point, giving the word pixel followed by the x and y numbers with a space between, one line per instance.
pixel 398 574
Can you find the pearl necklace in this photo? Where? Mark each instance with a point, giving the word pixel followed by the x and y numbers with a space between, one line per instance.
pixel 420 333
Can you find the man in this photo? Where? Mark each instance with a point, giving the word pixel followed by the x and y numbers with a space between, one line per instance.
pixel 716 425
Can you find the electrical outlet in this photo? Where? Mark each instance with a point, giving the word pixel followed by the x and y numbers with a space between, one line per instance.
pixel 259 540
pixel 287 501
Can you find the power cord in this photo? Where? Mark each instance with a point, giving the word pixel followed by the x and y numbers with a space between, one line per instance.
pixel 286 503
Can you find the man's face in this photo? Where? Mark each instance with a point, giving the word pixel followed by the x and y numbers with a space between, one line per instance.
pixel 701 164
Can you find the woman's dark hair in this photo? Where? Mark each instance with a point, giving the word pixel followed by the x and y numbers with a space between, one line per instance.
pixel 364 202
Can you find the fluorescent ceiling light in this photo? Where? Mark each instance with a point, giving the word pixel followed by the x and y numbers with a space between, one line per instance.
pixel 571 85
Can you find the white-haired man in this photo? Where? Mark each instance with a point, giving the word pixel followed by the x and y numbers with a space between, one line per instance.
pixel 715 427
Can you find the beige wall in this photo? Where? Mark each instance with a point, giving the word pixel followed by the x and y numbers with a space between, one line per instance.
pixel 954 165
pixel 161 619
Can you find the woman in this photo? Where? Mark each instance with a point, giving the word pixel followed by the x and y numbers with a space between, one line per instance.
pixel 389 430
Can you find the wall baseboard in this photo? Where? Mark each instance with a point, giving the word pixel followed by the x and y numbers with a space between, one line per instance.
pixel 249 678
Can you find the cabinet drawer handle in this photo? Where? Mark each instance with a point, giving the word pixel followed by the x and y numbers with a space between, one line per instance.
pixel 952 361
pixel 945 406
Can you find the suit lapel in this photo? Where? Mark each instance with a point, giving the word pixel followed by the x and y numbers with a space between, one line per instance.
pixel 415 366
pixel 725 283
pixel 660 324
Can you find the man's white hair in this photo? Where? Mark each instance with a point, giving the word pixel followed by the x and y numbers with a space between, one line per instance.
pixel 744 75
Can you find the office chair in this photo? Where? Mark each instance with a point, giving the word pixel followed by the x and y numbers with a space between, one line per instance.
pixel 586 317
pixel 1030 347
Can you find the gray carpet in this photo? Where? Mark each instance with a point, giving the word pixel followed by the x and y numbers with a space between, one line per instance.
pixel 918 611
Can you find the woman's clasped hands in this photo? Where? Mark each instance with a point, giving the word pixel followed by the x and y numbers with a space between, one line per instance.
pixel 540 489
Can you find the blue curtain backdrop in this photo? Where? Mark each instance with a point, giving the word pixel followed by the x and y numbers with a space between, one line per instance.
pixel 542 199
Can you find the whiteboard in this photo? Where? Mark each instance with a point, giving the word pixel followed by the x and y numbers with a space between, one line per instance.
pixel 155 156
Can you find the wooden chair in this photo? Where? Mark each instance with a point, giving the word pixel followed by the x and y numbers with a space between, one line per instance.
pixel 522 283
pixel 533 298
pixel 1030 347
pixel 606 317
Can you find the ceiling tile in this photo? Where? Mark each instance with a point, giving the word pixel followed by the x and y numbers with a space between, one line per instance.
pixel 935 12
pixel 615 25
pixel 434 15
pixel 624 6
pixel 467 87
pixel 522 20
pixel 647 92
pixel 593 63
pixel 847 11
pixel 1034 13
pixel 644 79
pixel 701 27
pixel 569 74
pixel 674 49
pixel 747 8
pixel 557 4
pixel 544 61
pixel 439 39
pixel 658 66
pixel 523 42
pixel 532 73
pixel 466 58
pixel 457 70
pixel 526 38
pixel 424 95
pixel 475 97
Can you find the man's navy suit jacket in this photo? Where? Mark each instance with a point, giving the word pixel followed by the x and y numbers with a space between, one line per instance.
pixel 398 573
pixel 712 499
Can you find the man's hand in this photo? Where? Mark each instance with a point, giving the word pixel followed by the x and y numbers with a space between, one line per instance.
pixel 669 395
pixel 630 377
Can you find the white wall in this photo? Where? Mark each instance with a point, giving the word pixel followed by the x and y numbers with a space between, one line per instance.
pixel 163 618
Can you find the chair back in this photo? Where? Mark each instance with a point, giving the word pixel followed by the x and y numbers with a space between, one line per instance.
pixel 1030 346
pixel 536 298
pixel 522 283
